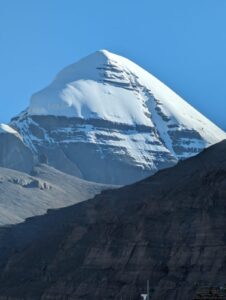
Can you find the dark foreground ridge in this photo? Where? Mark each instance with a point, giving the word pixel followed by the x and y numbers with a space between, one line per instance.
pixel 169 228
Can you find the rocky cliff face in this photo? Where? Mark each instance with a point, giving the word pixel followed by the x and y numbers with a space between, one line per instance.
pixel 14 154
pixel 96 150
pixel 107 120
pixel 23 195
pixel 169 228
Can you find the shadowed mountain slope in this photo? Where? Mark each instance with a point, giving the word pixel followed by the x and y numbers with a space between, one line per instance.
pixel 169 228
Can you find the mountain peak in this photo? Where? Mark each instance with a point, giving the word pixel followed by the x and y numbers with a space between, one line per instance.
pixel 105 54
pixel 110 87
pixel 135 123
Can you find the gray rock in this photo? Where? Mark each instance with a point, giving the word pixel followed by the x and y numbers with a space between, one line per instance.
pixel 69 148
pixel 169 228
pixel 13 152
pixel 23 196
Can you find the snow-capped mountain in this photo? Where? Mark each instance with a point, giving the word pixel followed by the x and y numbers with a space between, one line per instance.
pixel 106 119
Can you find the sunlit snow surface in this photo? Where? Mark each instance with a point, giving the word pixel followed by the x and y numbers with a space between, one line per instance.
pixel 4 128
pixel 110 87
pixel 123 110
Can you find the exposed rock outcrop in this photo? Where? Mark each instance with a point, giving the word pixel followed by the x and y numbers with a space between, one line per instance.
pixel 14 154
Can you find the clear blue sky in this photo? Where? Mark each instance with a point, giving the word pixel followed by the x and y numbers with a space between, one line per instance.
pixel 182 42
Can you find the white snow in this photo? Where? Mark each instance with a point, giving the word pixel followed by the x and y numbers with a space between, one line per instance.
pixel 7 129
pixel 110 87
pixel 80 91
